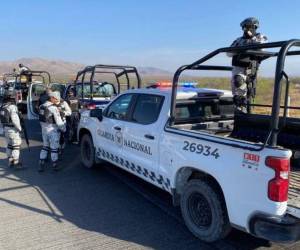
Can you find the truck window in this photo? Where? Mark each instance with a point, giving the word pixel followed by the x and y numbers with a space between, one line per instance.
pixel 37 89
pixel 99 90
pixel 204 110
pixel 147 108
pixel 119 108
pixel 58 87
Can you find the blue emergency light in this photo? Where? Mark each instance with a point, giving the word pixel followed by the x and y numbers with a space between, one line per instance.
pixel 188 84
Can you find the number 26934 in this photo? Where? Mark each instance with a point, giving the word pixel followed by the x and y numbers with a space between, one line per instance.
pixel 201 149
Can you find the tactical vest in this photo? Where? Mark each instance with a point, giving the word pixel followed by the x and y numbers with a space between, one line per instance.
pixel 242 60
pixel 73 103
pixel 5 116
pixel 62 109
pixel 45 115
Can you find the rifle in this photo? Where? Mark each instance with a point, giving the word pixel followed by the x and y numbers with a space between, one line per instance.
pixel 251 83
pixel 24 130
pixel 61 139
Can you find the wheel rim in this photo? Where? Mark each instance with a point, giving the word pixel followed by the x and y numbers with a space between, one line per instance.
pixel 199 210
pixel 86 149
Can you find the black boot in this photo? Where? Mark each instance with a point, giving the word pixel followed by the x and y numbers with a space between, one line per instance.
pixel 10 162
pixel 41 166
pixel 18 165
pixel 55 166
pixel 60 153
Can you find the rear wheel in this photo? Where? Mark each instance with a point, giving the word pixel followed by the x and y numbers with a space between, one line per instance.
pixel 87 151
pixel 204 211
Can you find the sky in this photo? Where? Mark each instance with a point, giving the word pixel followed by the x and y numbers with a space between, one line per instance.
pixel 164 34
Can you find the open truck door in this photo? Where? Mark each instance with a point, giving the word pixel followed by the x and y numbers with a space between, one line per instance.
pixel 29 85
pixel 34 93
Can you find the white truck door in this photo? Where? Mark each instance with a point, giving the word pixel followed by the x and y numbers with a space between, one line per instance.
pixel 141 137
pixel 110 129
pixel 34 93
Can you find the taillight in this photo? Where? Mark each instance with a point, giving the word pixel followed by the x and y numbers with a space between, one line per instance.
pixel 19 96
pixel 91 106
pixel 279 186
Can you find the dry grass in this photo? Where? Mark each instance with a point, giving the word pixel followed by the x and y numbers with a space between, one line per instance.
pixel 264 91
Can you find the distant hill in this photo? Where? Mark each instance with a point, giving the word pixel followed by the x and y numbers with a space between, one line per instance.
pixel 153 71
pixel 54 67
pixel 64 69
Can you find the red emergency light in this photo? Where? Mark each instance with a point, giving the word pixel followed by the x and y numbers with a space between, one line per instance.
pixel 162 84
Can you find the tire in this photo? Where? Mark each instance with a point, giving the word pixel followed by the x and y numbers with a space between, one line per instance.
pixel 204 211
pixel 87 151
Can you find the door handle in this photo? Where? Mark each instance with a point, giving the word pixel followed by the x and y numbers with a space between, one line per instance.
pixel 117 128
pixel 150 137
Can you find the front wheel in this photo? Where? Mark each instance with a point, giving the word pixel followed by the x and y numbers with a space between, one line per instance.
pixel 87 151
pixel 204 211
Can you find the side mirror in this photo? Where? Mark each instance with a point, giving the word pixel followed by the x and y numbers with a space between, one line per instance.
pixel 96 113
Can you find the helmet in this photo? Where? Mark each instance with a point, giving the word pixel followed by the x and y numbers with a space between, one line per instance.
pixel 21 65
pixel 71 92
pixel 250 21
pixel 6 93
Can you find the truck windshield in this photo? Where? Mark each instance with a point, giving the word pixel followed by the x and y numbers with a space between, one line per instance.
pixel 99 90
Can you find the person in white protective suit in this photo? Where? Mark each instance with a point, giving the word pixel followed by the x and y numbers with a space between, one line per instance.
pixel 10 120
pixel 22 68
pixel 52 126
pixel 242 66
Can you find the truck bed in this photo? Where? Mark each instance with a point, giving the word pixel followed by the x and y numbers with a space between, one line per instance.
pixel 294 189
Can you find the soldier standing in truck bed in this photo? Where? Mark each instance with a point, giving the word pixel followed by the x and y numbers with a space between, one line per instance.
pixel 243 67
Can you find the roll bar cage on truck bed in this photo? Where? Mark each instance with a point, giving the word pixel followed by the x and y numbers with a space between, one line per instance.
pixel 12 76
pixel 44 75
pixel 256 52
pixel 116 70
pixel 88 75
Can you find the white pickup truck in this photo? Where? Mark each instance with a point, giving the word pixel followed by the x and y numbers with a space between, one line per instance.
pixel 219 181
pixel 225 168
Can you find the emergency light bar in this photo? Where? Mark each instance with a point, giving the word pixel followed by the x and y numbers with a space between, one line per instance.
pixel 188 84
pixel 167 84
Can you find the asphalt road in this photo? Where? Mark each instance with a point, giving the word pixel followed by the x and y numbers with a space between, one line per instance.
pixel 102 208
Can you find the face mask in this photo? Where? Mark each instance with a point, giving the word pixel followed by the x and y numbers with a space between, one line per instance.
pixel 54 101
pixel 249 32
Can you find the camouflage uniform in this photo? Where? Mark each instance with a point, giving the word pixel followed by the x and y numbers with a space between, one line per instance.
pixel 52 126
pixel 241 68
pixel 240 88
pixel 12 128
